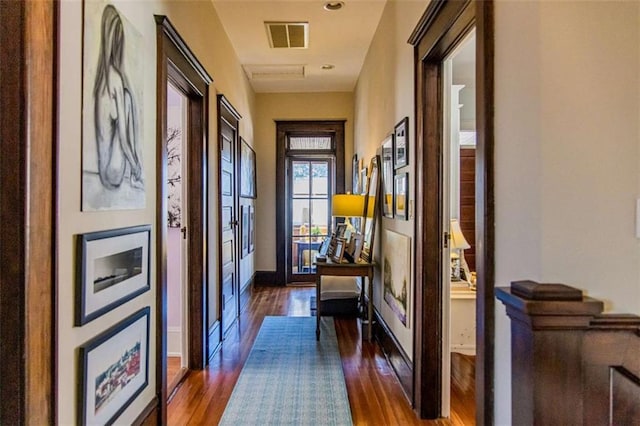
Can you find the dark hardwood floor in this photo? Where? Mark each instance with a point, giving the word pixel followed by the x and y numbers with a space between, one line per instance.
pixel 375 395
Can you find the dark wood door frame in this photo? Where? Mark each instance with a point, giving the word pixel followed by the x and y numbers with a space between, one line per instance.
pixel 442 27
pixel 227 114
pixel 28 155
pixel 308 127
pixel 178 65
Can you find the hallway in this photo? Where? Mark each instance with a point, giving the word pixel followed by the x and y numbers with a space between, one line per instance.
pixel 375 395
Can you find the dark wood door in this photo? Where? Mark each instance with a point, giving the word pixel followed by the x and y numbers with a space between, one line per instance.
pixel 228 224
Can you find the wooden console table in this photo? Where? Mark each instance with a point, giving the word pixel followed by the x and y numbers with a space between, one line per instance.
pixel 360 269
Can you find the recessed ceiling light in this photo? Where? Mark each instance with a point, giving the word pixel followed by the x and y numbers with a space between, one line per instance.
pixel 328 67
pixel 333 5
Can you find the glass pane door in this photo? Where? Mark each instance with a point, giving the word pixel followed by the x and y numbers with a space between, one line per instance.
pixel 309 203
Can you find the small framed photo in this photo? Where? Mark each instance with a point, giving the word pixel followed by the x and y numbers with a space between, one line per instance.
pixel 338 252
pixel 341 229
pixel 355 246
pixel 387 177
pixel 401 182
pixel 401 135
pixel 114 369
pixel 112 267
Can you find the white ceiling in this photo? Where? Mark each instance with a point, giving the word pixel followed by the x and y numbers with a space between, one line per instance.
pixel 340 38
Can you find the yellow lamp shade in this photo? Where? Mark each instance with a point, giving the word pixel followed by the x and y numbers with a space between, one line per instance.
pixel 347 205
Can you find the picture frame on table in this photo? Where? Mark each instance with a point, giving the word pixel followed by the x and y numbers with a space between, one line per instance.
pixel 114 369
pixel 341 229
pixel 338 252
pixel 387 177
pixel 401 191
pixel 112 267
pixel 401 146
pixel 247 171
pixel 355 246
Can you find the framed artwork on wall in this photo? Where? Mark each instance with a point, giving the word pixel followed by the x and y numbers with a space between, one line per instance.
pixel 387 176
pixel 401 149
pixel 247 171
pixel 244 230
pixel 355 175
pixel 252 229
pixel 112 110
pixel 401 191
pixel 112 267
pixel 113 368
pixel 396 274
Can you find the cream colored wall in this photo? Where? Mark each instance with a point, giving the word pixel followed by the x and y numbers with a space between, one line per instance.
pixel 289 106
pixel 383 96
pixel 567 78
pixel 199 25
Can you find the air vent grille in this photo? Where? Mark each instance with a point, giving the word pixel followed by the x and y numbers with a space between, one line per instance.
pixel 288 35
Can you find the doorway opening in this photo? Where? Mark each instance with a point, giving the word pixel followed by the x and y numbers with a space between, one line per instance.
pixel 310 169
pixel 177 265
pixel 458 211
pixel 309 201
pixel 439 33
pixel 181 77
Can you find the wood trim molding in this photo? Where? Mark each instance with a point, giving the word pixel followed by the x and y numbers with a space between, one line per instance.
pixel 28 41
pixel 395 355
pixel 442 26
pixel 301 127
pixel 266 278
pixel 178 64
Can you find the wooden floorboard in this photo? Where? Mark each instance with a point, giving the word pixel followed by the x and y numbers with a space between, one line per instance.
pixel 375 395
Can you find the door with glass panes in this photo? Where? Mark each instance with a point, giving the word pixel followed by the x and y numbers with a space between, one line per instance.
pixel 309 198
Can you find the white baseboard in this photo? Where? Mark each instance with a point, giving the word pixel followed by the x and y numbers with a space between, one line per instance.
pixel 464 349
pixel 174 339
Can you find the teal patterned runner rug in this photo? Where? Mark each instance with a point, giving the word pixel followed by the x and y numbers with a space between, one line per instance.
pixel 290 378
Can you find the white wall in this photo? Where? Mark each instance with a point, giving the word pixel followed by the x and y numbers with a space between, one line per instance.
pixel 383 96
pixel 199 25
pixel 289 106
pixel 567 161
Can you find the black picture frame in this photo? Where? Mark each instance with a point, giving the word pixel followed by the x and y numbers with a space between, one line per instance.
pixel 244 230
pixel 120 354
pixel 401 144
pixel 252 229
pixel 387 176
pixel 247 170
pixel 401 195
pixel 123 254
pixel 355 175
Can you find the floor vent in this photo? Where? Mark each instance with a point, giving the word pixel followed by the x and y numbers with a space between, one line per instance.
pixel 288 35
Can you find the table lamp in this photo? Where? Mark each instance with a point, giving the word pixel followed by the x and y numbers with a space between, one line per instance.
pixel 458 244
pixel 347 206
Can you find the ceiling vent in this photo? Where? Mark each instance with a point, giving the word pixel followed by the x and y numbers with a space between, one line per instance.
pixel 288 35
pixel 274 72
